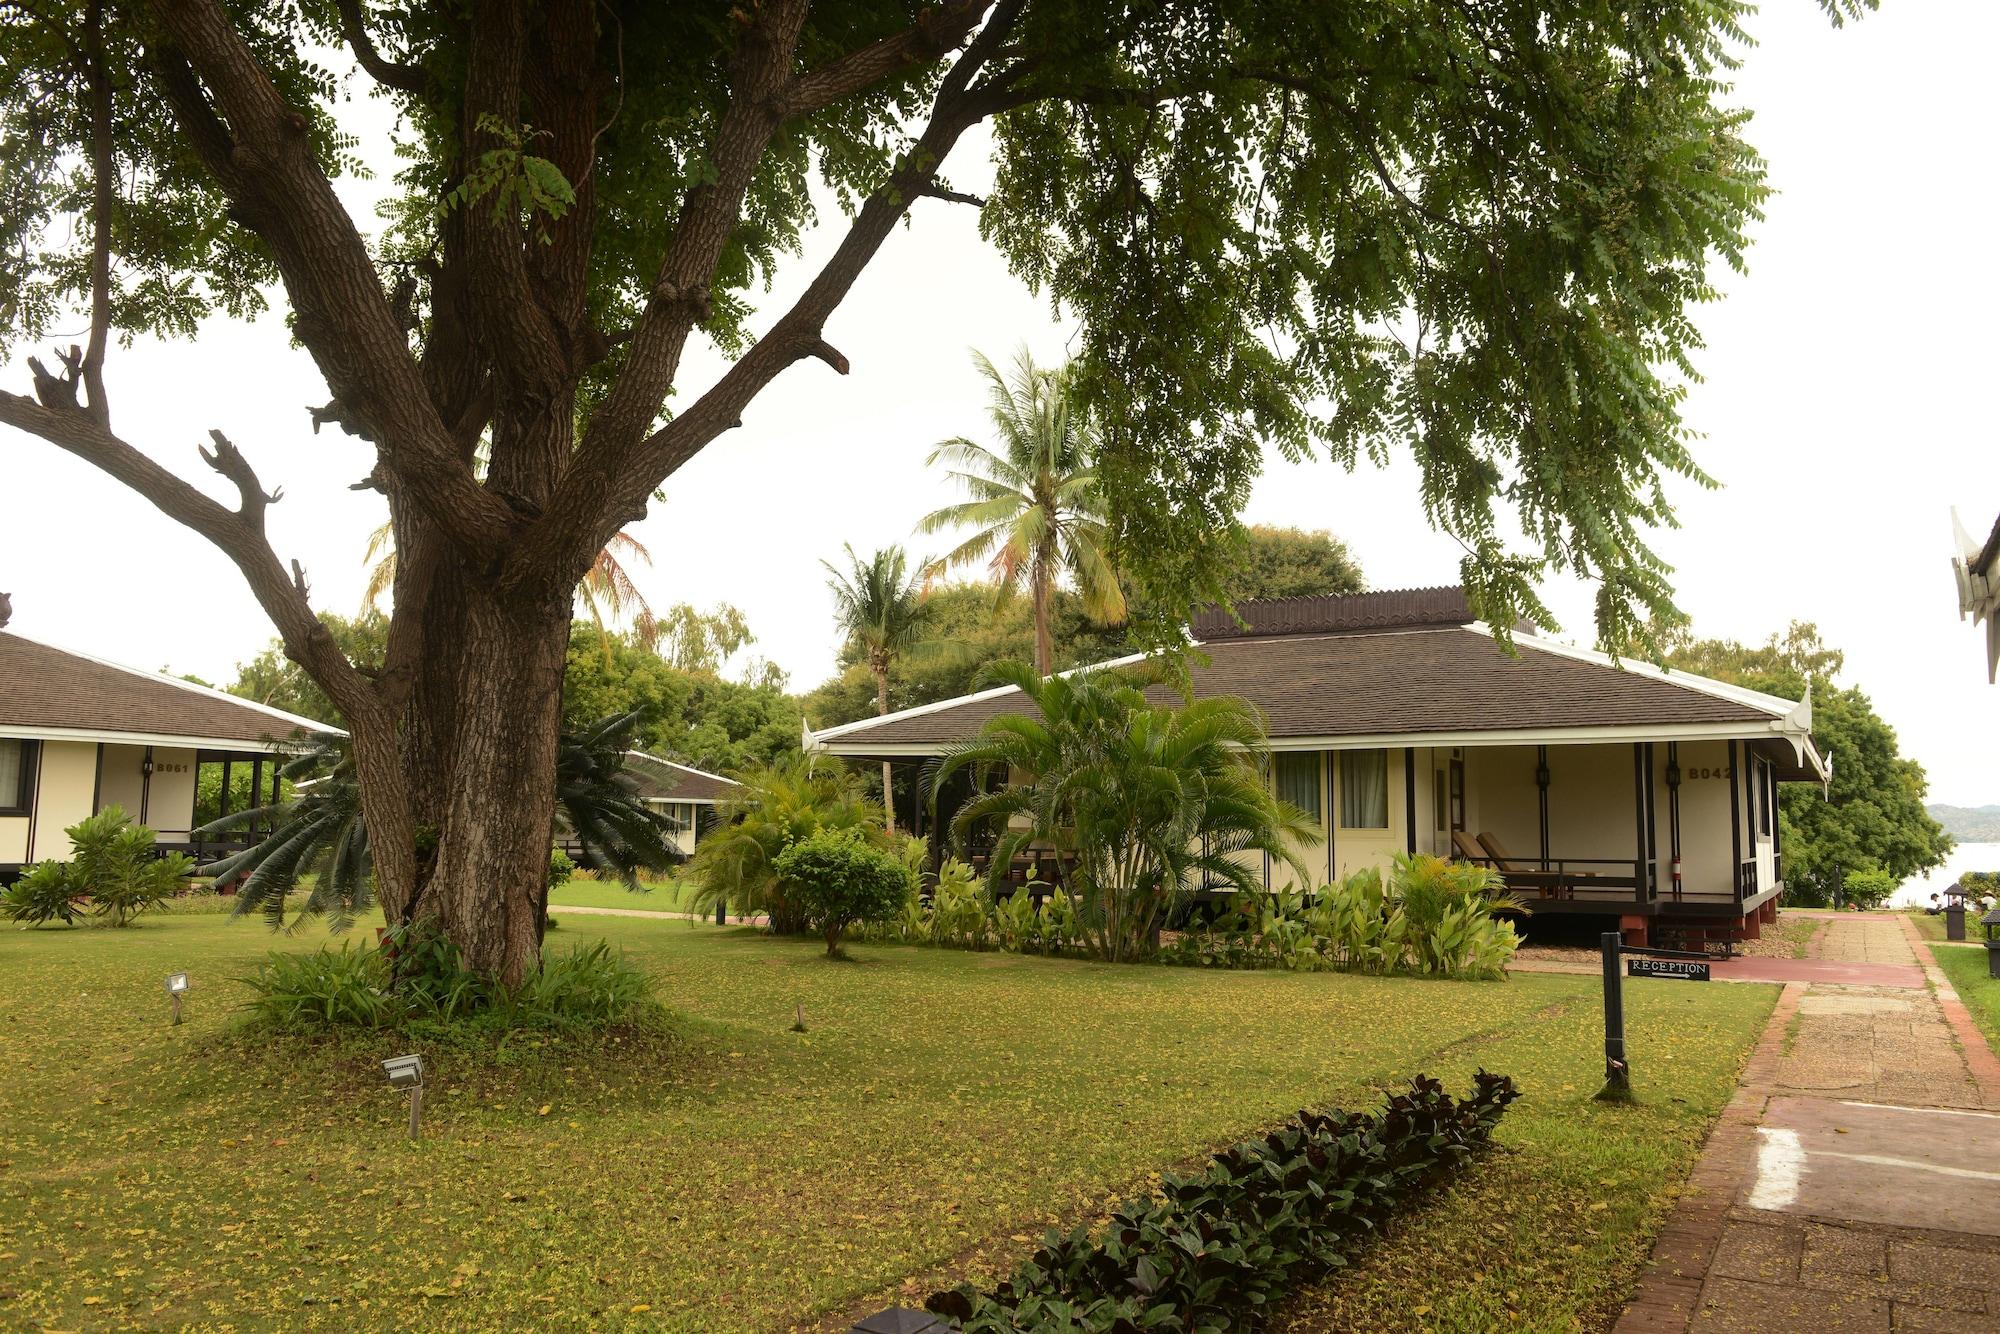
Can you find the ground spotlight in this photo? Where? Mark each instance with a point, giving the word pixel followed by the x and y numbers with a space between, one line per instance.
pixel 177 986
pixel 407 1072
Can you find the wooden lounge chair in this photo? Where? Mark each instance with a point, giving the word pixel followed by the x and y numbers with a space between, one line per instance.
pixel 1556 884
pixel 1467 849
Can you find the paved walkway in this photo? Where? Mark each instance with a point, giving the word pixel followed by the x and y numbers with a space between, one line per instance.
pixel 1854 1182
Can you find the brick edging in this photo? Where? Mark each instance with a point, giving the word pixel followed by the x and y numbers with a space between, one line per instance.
pixel 1669 1292
pixel 1980 1062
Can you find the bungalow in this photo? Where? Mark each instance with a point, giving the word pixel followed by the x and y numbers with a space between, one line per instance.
pixel 1644 797
pixel 687 796
pixel 79 734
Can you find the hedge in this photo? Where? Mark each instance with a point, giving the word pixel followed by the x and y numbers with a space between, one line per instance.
pixel 1215 1250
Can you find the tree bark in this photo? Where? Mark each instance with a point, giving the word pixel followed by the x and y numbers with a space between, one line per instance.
pixel 478 748
pixel 881 670
pixel 1045 652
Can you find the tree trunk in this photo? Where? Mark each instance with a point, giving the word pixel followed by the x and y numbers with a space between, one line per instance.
pixel 888 787
pixel 1044 646
pixel 478 750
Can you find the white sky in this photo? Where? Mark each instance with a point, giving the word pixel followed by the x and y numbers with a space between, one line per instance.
pixel 1841 413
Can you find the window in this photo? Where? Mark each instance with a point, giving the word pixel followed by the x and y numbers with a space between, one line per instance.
pixel 1441 819
pixel 17 776
pixel 1763 772
pixel 679 815
pixel 1364 789
pixel 1298 780
pixel 1458 792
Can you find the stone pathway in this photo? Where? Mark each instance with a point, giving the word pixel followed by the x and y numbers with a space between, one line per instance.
pixel 1854 1182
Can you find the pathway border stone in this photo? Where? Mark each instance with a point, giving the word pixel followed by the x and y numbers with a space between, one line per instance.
pixel 1980 1061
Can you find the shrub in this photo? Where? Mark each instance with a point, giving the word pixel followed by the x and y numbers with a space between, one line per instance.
pixel 1432 917
pixel 419 982
pixel 113 864
pixel 1213 1250
pixel 46 892
pixel 561 868
pixel 839 878
pixel 772 807
pixel 1869 888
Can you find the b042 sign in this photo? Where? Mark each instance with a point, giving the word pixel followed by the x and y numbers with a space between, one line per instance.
pixel 1685 970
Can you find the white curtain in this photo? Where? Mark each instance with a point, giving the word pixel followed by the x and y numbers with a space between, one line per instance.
pixel 1298 780
pixel 10 774
pixel 1364 789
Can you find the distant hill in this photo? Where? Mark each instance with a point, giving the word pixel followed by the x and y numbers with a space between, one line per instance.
pixel 1969 824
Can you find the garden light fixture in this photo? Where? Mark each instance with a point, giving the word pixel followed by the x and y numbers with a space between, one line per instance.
pixel 177 986
pixel 407 1072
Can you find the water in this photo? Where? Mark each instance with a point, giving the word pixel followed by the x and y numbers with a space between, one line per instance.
pixel 1917 891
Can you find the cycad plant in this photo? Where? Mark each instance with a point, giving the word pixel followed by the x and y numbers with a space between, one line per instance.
pixel 1142 803
pixel 772 807
pixel 1034 504
pixel 319 837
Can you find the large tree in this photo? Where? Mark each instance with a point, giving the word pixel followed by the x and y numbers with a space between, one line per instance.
pixel 1471 229
pixel 1872 816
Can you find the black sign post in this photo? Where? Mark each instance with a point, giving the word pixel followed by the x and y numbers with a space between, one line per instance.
pixel 1681 964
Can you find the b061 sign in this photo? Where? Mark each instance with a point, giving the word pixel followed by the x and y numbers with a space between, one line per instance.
pixel 1687 970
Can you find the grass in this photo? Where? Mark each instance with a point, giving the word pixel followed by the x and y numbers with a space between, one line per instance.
pixel 653 895
pixel 1980 992
pixel 1931 925
pixel 940 1110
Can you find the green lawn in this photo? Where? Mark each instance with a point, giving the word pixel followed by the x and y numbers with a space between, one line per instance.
pixel 1980 992
pixel 653 896
pixel 1931 926
pixel 940 1110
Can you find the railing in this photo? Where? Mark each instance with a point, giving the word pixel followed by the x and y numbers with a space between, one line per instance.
pixel 1563 877
pixel 1746 879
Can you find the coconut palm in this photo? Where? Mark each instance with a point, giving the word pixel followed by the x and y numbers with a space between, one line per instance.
pixel 606 589
pixel 1139 801
pixel 1035 506
pixel 881 608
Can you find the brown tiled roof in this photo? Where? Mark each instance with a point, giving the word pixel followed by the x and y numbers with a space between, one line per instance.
pixel 1446 679
pixel 1389 609
pixel 666 780
pixel 44 687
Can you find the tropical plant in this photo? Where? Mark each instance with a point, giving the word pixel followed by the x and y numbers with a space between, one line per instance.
pixel 882 608
pixel 45 892
pixel 113 863
pixel 1035 508
pixel 1868 888
pixel 772 807
pixel 1138 803
pixel 319 839
pixel 839 877
pixel 1215 1249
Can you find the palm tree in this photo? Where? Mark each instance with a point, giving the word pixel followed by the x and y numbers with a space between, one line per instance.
pixel 1035 505
pixel 607 589
pixel 882 609
pixel 1138 800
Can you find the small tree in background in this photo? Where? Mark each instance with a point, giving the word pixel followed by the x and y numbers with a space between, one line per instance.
pixel 882 609
pixel 772 807
pixel 1873 816
pixel 840 878
pixel 113 864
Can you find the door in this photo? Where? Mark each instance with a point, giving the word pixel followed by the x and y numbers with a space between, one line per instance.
pixel 1367 826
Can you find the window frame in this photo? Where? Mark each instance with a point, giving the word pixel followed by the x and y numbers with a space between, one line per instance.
pixel 22 802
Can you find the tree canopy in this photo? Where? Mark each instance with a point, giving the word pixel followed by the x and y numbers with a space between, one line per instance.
pixel 1291 563
pixel 1873 816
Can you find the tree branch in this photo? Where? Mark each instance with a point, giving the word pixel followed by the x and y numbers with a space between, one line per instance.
pixel 935 32
pixel 388 73
pixel 104 182
pixel 238 533
pixel 257 147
